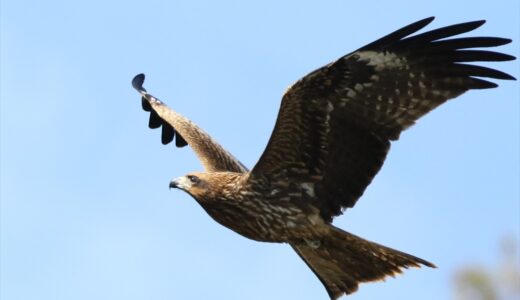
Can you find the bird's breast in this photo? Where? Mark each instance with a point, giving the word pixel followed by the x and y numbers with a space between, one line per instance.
pixel 264 219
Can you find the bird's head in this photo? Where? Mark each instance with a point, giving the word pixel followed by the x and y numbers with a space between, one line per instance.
pixel 206 186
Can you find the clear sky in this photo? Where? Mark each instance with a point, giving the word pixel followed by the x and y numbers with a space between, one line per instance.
pixel 85 208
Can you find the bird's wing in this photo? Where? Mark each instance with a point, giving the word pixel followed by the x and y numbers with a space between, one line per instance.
pixel 212 156
pixel 335 125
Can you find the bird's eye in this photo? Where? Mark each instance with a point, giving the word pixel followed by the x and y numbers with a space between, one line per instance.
pixel 193 179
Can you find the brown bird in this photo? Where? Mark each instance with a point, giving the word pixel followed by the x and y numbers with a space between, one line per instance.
pixel 331 137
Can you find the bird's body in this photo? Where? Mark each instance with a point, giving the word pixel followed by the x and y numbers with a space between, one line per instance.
pixel 283 215
pixel 332 135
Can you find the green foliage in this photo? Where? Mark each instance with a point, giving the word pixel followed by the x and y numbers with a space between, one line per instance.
pixel 501 282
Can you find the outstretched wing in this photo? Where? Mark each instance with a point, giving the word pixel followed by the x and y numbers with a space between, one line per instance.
pixel 212 156
pixel 335 125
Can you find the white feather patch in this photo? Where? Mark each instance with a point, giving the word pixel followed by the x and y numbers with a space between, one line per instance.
pixel 308 188
pixel 382 60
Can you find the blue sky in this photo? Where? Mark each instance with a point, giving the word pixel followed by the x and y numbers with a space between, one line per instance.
pixel 85 208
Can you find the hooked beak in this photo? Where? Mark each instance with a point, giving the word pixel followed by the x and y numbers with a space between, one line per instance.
pixel 180 183
pixel 174 183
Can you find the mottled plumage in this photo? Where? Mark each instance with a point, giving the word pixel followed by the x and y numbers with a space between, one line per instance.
pixel 331 137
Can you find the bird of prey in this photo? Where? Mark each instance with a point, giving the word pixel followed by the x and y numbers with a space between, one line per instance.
pixel 331 137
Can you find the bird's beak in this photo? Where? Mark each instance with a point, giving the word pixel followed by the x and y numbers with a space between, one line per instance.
pixel 174 183
pixel 180 183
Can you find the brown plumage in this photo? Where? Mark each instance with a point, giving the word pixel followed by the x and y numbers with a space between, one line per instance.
pixel 331 137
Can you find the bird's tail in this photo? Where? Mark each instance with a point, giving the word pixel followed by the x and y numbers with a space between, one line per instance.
pixel 342 260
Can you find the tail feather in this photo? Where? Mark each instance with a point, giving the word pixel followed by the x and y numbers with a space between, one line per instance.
pixel 342 260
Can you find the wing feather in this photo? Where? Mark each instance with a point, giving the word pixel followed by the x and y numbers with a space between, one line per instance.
pixel 212 156
pixel 335 125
